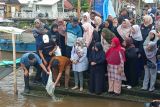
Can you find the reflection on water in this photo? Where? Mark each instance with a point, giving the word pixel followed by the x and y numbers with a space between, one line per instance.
pixel 7 98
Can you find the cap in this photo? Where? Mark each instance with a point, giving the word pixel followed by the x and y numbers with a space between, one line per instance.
pixel 45 38
pixel 75 19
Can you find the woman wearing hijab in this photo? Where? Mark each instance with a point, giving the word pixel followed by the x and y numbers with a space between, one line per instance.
pixel 87 28
pixel 107 24
pixel 95 36
pixel 150 69
pixel 86 18
pixel 137 38
pixel 106 37
pixel 131 63
pixel 97 69
pixel 146 27
pixel 115 24
pixel 115 57
pixel 136 35
pixel 97 22
pixel 124 29
pixel 152 36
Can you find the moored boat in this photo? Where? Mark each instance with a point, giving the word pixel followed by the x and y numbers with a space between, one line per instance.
pixel 24 41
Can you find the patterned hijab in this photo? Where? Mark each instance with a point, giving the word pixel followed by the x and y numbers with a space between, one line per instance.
pixel 124 31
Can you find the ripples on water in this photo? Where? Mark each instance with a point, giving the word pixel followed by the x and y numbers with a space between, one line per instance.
pixel 7 98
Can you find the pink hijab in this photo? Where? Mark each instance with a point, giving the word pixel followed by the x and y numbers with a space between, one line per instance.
pixel 88 32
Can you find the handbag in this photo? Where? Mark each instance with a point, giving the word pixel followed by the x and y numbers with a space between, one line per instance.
pixel 151 65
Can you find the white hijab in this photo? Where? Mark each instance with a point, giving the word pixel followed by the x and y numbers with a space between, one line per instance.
pixel 137 35
pixel 88 18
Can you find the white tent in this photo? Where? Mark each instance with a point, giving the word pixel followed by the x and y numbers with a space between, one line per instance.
pixel 47 2
pixel 13 31
pixel 39 2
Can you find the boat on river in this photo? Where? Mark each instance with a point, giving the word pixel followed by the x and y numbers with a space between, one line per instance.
pixel 24 42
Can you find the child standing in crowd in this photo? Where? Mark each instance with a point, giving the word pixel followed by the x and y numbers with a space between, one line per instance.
pixel 150 69
pixel 79 62
pixel 97 82
pixel 115 57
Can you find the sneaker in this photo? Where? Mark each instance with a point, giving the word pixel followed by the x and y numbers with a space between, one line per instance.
pixel 81 89
pixel 124 85
pixel 151 90
pixel 66 88
pixel 129 87
pixel 26 90
pixel 143 89
pixel 74 88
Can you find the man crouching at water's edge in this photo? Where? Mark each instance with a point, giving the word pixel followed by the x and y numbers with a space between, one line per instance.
pixel 27 60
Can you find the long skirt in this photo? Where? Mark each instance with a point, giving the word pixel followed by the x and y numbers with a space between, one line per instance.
pixel 97 82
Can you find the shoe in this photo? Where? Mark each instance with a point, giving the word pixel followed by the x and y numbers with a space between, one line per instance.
pixel 74 88
pixel 151 90
pixel 81 89
pixel 111 92
pixel 124 85
pixel 66 88
pixel 143 89
pixel 116 94
pixel 26 90
pixel 129 87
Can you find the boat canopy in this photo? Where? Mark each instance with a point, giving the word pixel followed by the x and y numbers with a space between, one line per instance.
pixel 11 30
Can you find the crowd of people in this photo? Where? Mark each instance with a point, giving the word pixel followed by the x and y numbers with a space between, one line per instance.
pixel 116 51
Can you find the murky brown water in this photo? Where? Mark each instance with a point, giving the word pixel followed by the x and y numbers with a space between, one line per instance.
pixel 7 98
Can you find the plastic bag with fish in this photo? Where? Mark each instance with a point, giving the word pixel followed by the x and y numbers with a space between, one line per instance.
pixel 50 87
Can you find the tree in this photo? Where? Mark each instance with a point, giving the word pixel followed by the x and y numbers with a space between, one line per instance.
pixel 84 4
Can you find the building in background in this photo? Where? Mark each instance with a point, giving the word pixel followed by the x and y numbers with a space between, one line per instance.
pixel 44 8
pixel 10 7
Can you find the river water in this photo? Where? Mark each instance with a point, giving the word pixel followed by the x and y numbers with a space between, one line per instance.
pixel 8 99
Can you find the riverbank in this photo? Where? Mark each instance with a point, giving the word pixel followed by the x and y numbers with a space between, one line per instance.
pixel 39 91
pixel 135 94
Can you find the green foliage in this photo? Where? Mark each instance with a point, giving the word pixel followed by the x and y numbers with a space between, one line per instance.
pixel 84 4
